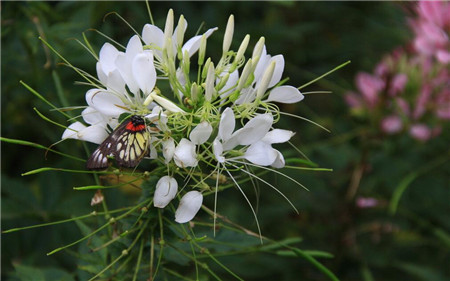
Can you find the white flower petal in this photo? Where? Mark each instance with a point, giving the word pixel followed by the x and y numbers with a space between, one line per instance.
pixel 92 116
pixel 278 136
pixel 115 82
pixel 134 47
pixel 279 161
pixel 201 133
pixel 144 71
pixel 166 190
pixel 279 68
pixel 124 67
pixel 72 130
pixel 154 37
pixel 262 64
pixel 95 133
pixel 255 129
pixel 218 150
pixel 227 124
pixel 105 102
pixel 230 84
pixel 107 56
pixel 261 153
pixel 168 149
pixel 193 44
pixel 190 204
pixel 285 94
pixel 185 155
pixel 101 74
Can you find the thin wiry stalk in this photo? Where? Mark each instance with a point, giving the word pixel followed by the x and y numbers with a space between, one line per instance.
pixel 215 199
pixel 255 187
pixel 275 171
pixel 299 151
pixel 248 202
pixel 273 187
pixel 305 119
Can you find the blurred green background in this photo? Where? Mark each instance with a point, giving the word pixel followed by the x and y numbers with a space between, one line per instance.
pixel 314 37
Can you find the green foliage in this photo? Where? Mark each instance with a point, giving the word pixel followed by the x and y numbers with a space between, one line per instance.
pixel 409 179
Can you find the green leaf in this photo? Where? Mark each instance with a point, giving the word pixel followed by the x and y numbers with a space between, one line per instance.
pixel 29 273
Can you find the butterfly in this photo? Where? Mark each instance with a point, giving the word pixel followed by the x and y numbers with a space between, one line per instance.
pixel 128 143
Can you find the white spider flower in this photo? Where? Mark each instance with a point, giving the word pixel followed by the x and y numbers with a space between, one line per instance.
pixel 201 133
pixel 166 190
pixel 132 69
pixel 262 153
pixel 184 154
pixel 155 39
pixel 96 132
pixel 253 131
pixel 168 150
pixel 189 206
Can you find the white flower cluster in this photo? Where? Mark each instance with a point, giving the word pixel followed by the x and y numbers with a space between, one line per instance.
pixel 198 131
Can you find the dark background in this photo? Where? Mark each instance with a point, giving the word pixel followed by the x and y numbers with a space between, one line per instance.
pixel 314 37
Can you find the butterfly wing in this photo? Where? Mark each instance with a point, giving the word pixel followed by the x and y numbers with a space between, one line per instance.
pixel 128 143
pixel 99 158
pixel 131 148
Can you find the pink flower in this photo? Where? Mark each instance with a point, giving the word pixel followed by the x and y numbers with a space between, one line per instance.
pixel 443 104
pixel 422 101
pixel 366 202
pixel 391 124
pixel 353 100
pixel 420 132
pixel 443 56
pixel 398 84
pixel 369 86
pixel 434 11
pixel 382 69
pixel 403 105
pixel 431 29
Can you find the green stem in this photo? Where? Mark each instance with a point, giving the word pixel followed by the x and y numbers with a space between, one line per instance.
pixel 323 75
pixel 35 145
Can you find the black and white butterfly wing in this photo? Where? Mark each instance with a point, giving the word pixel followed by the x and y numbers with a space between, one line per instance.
pixel 131 147
pixel 99 158
pixel 128 143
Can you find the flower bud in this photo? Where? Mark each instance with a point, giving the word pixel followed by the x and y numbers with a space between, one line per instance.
pixel 165 103
pixel 168 29
pixel 202 50
pixel 228 37
pixel 264 84
pixel 257 51
pixel 194 92
pixel 242 48
pixel 210 79
pixel 245 74
pixel 190 204
pixel 166 190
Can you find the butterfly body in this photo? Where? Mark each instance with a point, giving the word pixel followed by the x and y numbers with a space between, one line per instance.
pixel 128 143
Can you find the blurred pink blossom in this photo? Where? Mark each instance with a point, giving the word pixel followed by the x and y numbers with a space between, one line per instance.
pixel 353 100
pixel 403 106
pixel 391 124
pixel 422 101
pixel 398 84
pixel 443 104
pixel 369 86
pixel 432 27
pixel 409 89
pixel 366 202
pixel 420 132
